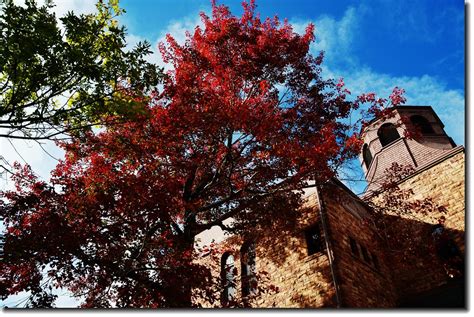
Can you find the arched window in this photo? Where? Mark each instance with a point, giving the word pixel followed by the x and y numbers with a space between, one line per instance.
pixel 366 155
pixel 247 262
pixel 228 277
pixel 2 244
pixel 422 124
pixel 387 133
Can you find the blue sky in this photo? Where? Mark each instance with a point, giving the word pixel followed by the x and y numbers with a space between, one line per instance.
pixel 375 45
pixel 400 38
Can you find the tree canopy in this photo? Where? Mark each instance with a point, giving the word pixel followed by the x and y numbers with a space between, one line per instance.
pixel 60 77
pixel 243 124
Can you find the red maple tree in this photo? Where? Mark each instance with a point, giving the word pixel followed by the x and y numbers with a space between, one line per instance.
pixel 243 123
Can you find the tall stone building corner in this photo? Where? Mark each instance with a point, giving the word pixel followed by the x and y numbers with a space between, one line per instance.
pixel 333 256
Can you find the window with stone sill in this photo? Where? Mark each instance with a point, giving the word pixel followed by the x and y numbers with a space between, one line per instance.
pixel 361 252
pixel 228 277
pixel 365 254
pixel 314 239
pixel 354 247
pixel 375 261
pixel 2 244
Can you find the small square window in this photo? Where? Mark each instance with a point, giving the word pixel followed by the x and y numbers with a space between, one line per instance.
pixel 354 248
pixel 365 254
pixel 375 260
pixel 314 239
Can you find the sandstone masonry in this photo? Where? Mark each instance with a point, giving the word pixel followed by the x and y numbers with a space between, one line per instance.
pixel 332 256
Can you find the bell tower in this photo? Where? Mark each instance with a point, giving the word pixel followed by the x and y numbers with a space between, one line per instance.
pixel 385 142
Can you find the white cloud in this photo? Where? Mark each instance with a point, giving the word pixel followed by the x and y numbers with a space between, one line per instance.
pixel 336 38
pixel 420 90
pixel 31 152
pixel 155 57
pixel 77 6
pixel 177 29
pixel 61 7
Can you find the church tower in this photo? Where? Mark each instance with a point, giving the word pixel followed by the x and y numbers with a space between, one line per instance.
pixel 438 175
pixel 385 142
pixel 327 253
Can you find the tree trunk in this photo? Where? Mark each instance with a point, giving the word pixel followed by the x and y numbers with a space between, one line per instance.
pixel 187 247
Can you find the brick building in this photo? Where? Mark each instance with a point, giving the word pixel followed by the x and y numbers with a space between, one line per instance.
pixel 331 256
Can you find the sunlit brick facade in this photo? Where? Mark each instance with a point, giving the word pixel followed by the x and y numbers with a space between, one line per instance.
pixel 331 256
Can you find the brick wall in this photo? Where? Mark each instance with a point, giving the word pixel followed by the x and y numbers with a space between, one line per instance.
pixel 307 281
pixel 364 282
pixel 444 183
pixel 302 280
pixel 384 160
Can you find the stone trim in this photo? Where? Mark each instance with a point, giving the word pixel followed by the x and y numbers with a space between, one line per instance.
pixel 444 157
